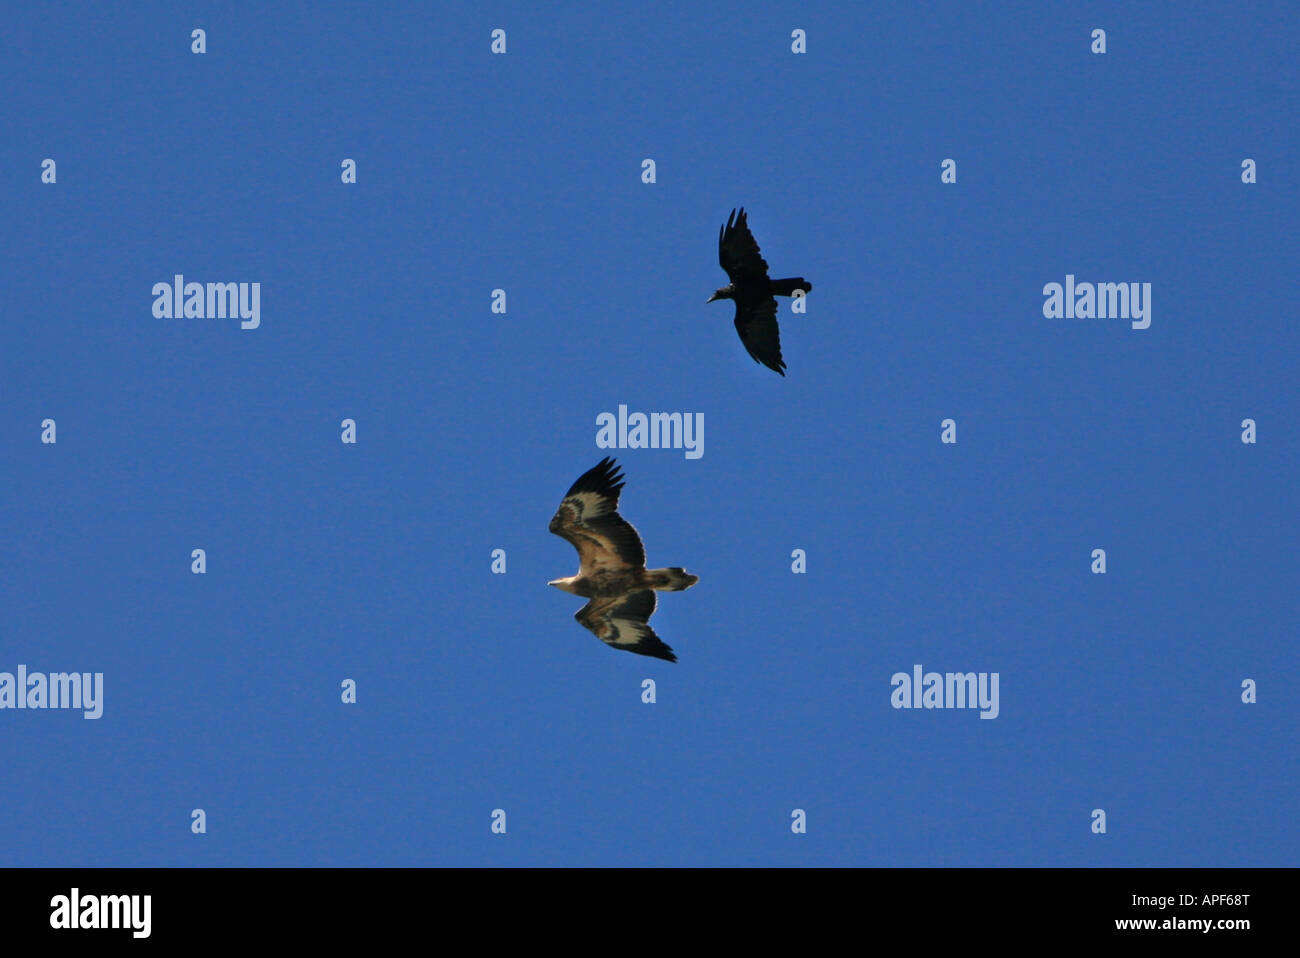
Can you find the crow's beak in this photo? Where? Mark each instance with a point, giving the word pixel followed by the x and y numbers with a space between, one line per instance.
pixel 711 298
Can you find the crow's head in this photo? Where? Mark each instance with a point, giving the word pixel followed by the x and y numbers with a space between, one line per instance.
pixel 726 292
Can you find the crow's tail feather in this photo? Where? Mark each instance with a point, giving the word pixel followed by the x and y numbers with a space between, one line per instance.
pixel 786 287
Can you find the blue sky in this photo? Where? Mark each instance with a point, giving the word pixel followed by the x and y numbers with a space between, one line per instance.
pixel 522 172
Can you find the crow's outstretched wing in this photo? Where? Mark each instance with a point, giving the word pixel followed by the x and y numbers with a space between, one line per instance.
pixel 756 324
pixel 739 256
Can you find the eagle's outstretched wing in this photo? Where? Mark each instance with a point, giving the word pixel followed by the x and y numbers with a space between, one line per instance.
pixel 738 254
pixel 588 517
pixel 623 622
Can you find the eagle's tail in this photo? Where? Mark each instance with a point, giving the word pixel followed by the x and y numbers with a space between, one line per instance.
pixel 669 580
pixel 786 287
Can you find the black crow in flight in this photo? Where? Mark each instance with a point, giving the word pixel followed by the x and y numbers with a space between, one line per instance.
pixel 753 292
pixel 611 565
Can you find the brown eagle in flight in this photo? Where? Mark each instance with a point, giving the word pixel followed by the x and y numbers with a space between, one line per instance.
pixel 611 568
pixel 754 293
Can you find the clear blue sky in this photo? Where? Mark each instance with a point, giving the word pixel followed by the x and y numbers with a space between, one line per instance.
pixel 522 172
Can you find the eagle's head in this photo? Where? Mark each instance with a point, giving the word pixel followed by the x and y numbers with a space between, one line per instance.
pixel 726 292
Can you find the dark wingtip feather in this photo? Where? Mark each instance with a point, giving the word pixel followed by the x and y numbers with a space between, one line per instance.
pixel 604 479
pixel 776 369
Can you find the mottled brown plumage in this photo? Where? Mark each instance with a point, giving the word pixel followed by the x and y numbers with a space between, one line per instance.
pixel 611 565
